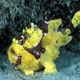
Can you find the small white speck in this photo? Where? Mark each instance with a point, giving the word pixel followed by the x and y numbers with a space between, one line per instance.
pixel 16 41
pixel 45 34
pixel 46 22
pixel 15 57
pixel 32 24
pixel 38 59
pixel 22 36
pixel 37 53
pixel 23 30
pixel 35 45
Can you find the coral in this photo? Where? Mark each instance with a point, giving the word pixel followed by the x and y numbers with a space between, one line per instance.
pixel 38 48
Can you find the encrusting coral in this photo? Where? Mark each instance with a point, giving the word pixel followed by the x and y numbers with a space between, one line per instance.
pixel 38 48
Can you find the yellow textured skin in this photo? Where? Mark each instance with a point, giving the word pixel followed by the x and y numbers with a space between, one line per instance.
pixel 36 35
pixel 28 62
pixel 51 42
pixel 76 19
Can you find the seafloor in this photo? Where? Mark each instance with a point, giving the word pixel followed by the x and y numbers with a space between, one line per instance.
pixel 15 15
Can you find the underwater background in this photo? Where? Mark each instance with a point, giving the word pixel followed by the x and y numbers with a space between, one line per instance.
pixel 15 15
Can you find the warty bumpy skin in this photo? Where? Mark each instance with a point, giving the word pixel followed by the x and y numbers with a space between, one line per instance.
pixel 37 48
